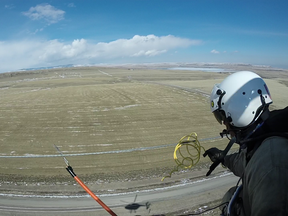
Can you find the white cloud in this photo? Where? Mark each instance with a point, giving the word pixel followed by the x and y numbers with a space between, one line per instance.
pixel 215 51
pixel 149 45
pixel 149 53
pixel 71 5
pixel 11 6
pixel 45 11
pixel 32 53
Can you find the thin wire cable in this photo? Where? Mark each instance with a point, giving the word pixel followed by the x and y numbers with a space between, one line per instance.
pixel 187 159
pixel 225 203
pixel 199 213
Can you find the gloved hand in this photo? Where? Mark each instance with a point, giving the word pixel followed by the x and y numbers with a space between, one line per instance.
pixel 214 154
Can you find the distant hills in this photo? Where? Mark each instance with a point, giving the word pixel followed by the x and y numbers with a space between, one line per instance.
pixel 162 65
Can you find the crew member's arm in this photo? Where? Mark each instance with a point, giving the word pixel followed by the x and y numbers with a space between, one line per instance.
pixel 236 162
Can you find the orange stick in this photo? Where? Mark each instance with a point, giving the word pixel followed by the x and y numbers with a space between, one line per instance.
pixel 94 196
pixel 70 170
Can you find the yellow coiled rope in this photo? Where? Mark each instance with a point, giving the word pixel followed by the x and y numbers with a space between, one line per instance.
pixel 187 159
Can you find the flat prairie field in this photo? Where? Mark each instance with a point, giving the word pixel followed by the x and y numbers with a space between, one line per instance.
pixel 110 123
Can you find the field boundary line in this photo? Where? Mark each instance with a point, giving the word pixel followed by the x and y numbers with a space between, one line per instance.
pixel 104 152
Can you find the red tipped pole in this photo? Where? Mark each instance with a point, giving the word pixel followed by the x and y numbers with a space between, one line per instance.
pixel 70 170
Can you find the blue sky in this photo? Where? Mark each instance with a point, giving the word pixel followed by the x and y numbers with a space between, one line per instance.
pixel 56 32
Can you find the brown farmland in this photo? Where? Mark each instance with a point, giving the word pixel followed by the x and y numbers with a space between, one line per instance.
pixel 115 125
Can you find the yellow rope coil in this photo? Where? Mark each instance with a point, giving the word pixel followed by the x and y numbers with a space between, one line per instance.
pixel 187 159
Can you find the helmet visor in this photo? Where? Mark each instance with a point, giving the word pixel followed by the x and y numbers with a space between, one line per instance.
pixel 220 116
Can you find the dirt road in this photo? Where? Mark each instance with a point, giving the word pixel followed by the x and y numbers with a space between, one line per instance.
pixel 186 195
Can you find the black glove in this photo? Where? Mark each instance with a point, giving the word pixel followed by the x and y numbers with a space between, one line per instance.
pixel 215 154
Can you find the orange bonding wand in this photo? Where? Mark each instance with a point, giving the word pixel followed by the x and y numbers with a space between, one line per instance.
pixel 70 170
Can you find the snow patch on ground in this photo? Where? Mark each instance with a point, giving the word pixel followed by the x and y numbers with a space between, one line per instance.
pixel 188 182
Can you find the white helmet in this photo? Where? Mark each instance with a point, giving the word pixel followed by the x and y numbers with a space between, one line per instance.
pixel 240 98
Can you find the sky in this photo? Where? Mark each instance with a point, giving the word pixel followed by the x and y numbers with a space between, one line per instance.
pixel 36 33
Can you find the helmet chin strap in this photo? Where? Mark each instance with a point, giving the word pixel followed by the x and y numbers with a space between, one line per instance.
pixel 237 133
pixel 224 132
pixel 242 134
